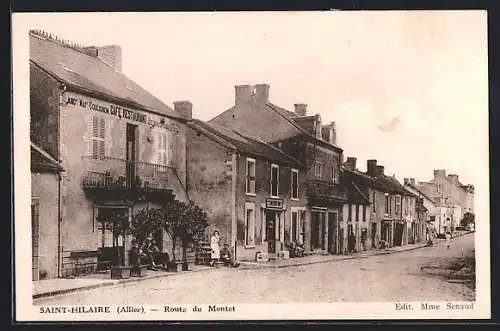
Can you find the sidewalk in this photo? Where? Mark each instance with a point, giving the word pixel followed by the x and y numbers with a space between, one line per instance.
pixel 57 286
pixel 315 259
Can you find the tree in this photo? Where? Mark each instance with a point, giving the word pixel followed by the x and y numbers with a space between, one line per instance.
pixel 185 221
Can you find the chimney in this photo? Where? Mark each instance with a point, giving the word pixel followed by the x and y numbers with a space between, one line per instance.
pixel 406 181
pixel 317 127
pixel 184 108
pixel 329 133
pixel 380 170
pixel 371 167
pixel 439 173
pixel 262 93
pixel 412 181
pixel 300 109
pixel 350 163
pixel 453 178
pixel 111 55
pixel 243 94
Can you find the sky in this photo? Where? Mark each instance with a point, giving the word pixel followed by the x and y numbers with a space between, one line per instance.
pixel 406 88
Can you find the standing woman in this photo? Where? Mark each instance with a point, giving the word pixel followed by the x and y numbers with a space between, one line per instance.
pixel 214 245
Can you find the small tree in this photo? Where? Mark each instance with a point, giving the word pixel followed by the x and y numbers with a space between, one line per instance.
pixel 195 223
pixel 185 221
pixel 145 222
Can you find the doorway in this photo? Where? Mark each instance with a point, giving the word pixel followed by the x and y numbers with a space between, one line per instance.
pixel 333 233
pixel 131 153
pixel 271 218
pixel 318 230
pixel 374 235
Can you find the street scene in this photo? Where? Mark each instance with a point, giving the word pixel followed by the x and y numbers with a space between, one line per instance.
pixel 399 276
pixel 268 190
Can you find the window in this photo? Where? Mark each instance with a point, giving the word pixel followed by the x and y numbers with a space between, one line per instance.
pixel 397 204
pixel 387 205
pixel 295 184
pixel 364 213
pixel 407 205
pixel 275 171
pixel 98 137
pixel 350 214
pixel 334 177
pixel 439 188
pixel 373 201
pixel 250 184
pixel 317 169
pixel 249 224
pixel 161 146
pixel 357 213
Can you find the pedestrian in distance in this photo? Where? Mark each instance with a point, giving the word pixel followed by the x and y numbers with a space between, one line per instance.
pixel 214 246
pixel 448 239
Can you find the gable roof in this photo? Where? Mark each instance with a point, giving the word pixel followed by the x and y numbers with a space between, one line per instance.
pixel 281 128
pixel 41 160
pixel 245 143
pixel 90 75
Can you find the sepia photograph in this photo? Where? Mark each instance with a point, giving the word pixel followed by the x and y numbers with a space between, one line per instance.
pixel 251 165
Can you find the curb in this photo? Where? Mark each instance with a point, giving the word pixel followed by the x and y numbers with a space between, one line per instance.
pixel 138 279
pixel 109 283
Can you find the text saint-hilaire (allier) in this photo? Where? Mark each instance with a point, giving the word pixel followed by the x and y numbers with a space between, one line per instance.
pixel 75 310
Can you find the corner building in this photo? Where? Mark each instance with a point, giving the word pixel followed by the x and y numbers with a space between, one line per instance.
pixel 119 147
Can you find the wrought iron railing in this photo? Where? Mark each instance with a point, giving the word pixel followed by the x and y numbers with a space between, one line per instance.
pixel 109 173
pixel 326 189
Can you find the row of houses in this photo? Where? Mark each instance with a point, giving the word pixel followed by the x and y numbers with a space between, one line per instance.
pixel 266 176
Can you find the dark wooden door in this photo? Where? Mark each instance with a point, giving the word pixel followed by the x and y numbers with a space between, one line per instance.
pixel 271 231
pixel 332 233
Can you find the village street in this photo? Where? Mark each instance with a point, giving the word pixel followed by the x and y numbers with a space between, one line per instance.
pixel 391 277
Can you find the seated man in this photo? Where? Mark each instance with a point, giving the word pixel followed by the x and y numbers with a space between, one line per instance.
pixel 225 255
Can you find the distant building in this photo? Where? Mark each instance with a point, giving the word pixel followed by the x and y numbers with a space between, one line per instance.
pixel 430 212
pixel 453 199
pixel 253 193
pixel 393 208
pixel 305 139
pixel 120 147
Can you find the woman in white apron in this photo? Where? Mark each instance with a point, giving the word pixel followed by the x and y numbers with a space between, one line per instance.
pixel 214 245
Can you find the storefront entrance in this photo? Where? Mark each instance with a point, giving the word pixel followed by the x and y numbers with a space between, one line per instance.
pixel 318 230
pixel 333 226
pixel 110 244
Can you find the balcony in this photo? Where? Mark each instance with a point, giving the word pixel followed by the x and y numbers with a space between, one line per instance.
pixel 115 178
pixel 326 191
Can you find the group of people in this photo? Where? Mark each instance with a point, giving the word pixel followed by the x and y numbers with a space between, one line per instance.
pixel 148 251
pixel 218 255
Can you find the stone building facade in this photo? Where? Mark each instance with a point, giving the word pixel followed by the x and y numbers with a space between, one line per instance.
pixel 251 190
pixel 304 138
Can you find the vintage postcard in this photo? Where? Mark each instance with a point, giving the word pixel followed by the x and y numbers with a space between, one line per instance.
pixel 251 166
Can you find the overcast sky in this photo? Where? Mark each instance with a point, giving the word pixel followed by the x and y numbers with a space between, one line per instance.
pixel 406 88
